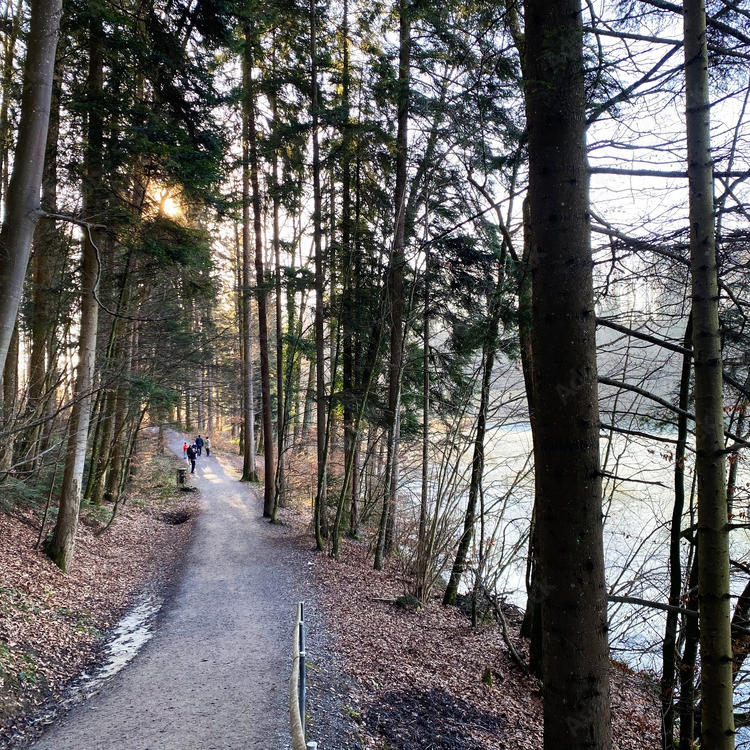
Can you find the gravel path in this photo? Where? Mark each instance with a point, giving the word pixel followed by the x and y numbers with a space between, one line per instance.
pixel 215 674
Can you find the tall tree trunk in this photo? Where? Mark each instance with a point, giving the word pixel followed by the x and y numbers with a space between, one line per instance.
pixel 10 397
pixel 669 648
pixel 106 406
pixel 531 627
pixel 686 704
pixel 741 639
pixel 62 544
pixel 22 201
pixel 717 717
pixel 566 422
pixel 269 476
pixel 102 448
pixel 307 402
pixel 358 375
pixel 321 494
pixel 477 462
pixel 119 454
pixel 293 358
pixel 423 553
pixel 741 410
pixel 188 395
pixel 281 396
pixel 12 26
pixel 249 473
pixel 200 389
pixel 347 301
pixel 46 262
pixel 396 281
pixel 210 408
pixel 46 247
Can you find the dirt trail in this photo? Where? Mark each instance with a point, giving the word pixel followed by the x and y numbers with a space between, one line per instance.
pixel 215 673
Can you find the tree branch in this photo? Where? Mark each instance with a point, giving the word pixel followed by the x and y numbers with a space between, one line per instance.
pixel 638 433
pixel 663 172
pixel 713 22
pixel 644 336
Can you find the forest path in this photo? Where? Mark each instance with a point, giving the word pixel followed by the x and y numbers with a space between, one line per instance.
pixel 215 674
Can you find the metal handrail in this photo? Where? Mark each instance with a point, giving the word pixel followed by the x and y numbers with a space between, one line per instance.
pixel 298 685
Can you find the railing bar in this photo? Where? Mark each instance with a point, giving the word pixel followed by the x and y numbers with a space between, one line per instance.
pixel 302 674
pixel 297 692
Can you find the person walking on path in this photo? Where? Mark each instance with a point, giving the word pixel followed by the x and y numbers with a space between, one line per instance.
pixel 207 444
pixel 191 458
pixel 184 449
pixel 199 444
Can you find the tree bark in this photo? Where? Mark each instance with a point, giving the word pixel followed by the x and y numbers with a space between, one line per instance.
pixel 686 704
pixel 281 398
pixel 320 379
pixel 10 397
pixel 22 202
pixel 477 462
pixel 531 627
pixel 669 647
pixel 62 544
pixel 424 551
pixel 249 473
pixel 396 281
pixel 566 415
pixel 12 25
pixel 102 449
pixel 269 476
pixel 717 717
pixel 48 259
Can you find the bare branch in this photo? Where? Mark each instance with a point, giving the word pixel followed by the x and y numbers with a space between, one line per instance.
pixel 681 173
pixel 713 22
pixel 644 336
pixel 638 433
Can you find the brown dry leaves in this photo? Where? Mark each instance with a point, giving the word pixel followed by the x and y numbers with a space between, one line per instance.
pixel 51 623
pixel 419 674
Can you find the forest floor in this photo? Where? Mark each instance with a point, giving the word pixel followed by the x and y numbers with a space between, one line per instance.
pixel 427 679
pixel 52 625
pixel 407 679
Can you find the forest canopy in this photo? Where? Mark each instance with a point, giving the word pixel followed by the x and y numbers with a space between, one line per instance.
pixel 469 278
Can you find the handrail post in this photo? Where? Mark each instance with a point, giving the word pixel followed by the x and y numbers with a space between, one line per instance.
pixel 302 665
pixel 297 684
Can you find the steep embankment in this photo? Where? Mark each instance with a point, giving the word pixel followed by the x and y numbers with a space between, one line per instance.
pixel 52 624
pixel 427 679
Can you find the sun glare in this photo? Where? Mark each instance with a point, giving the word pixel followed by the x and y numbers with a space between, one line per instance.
pixel 169 206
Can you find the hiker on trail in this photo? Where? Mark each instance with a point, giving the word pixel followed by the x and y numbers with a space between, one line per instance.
pixel 190 452
pixel 199 444
pixel 184 450
pixel 207 444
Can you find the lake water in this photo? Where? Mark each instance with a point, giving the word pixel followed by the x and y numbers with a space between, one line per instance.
pixel 637 512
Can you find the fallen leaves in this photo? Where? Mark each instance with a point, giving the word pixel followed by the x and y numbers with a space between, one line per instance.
pixel 420 678
pixel 419 674
pixel 52 623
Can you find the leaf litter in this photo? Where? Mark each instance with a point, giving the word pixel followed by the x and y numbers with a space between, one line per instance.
pixel 54 626
pixel 421 676
pixel 405 679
